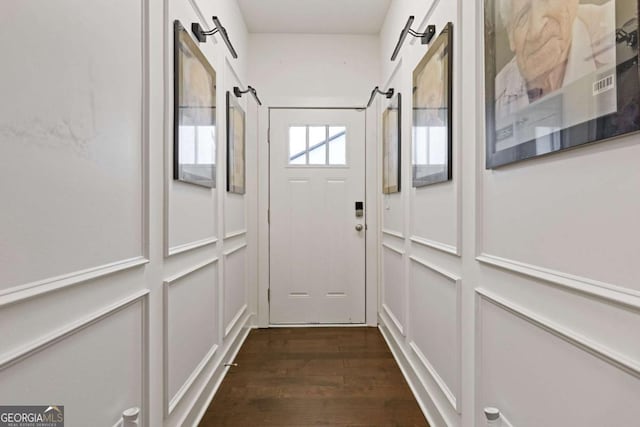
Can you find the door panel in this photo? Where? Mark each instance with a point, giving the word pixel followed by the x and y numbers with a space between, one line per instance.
pixel 317 257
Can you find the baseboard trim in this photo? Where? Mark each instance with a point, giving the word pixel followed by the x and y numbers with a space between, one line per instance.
pixel 432 413
pixel 218 373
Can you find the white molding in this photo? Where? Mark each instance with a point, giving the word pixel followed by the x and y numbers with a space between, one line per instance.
pixel 229 354
pixel 452 277
pixel 416 383
pixel 234 234
pixel 22 293
pixel 171 405
pixel 54 338
pixel 145 132
pixel 436 377
pixel 605 291
pixel 393 233
pixel 178 249
pixel 581 342
pixel 392 317
pixel 457 283
pixel 169 281
pixel 392 249
pixel 234 250
pixel 171 402
pixel 233 322
pixel 444 247
pixel 317 325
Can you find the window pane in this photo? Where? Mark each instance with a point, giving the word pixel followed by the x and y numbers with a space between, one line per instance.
pixel 318 156
pixel 337 145
pixel 297 145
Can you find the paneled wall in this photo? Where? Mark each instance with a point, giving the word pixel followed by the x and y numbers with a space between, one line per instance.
pixel 119 286
pixel 515 287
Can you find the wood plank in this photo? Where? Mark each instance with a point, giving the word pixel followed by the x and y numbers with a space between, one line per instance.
pixel 314 376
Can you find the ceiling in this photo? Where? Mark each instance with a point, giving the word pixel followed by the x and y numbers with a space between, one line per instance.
pixel 314 16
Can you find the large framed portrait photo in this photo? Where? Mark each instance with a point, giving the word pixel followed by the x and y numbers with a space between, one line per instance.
pixel 194 109
pixel 432 113
pixel 558 74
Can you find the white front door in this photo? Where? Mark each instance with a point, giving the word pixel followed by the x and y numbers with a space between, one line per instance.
pixel 317 239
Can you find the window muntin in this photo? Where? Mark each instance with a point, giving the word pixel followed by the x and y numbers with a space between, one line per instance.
pixel 315 145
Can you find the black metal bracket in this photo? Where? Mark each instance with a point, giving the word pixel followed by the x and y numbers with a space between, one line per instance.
pixel 202 35
pixel 238 93
pixel 388 94
pixel 425 37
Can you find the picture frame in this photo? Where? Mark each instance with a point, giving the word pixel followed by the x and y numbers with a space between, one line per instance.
pixel 391 146
pixel 432 111
pixel 194 112
pixel 236 153
pixel 578 87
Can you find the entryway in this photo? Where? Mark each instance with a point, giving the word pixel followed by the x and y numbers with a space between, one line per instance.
pixel 317 216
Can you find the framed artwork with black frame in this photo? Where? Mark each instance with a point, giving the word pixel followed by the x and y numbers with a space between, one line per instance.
pixel 235 146
pixel 391 143
pixel 194 112
pixel 569 82
pixel 432 151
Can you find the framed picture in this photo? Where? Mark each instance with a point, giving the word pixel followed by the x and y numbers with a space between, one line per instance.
pixel 391 147
pixel 194 112
pixel 235 146
pixel 431 149
pixel 572 81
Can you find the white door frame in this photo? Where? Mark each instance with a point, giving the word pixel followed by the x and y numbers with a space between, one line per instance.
pixel 373 200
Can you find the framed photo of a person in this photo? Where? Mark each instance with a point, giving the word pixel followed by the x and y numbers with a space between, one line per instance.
pixel 431 148
pixel 235 146
pixel 194 112
pixel 391 147
pixel 559 74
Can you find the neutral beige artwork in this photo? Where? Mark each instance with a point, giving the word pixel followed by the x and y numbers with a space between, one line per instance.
pixel 235 146
pixel 195 113
pixel 391 147
pixel 431 139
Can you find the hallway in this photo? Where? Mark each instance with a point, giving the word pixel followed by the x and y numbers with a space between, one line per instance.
pixel 314 376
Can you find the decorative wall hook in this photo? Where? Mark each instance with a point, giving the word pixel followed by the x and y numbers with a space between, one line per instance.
pixel 376 90
pixel 238 93
pixel 425 37
pixel 202 35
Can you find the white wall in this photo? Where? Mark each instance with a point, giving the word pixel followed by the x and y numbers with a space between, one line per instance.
pixel 116 282
pixel 314 70
pixel 517 287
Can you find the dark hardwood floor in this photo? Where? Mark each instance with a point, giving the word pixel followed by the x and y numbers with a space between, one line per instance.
pixel 314 376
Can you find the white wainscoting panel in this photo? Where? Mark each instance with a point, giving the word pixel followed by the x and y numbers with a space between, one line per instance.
pixel 434 325
pixel 394 286
pixel 523 358
pixel 235 283
pixel 71 140
pixel 393 214
pixel 434 216
pixel 190 319
pixel 591 207
pixel 234 214
pixel 62 366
